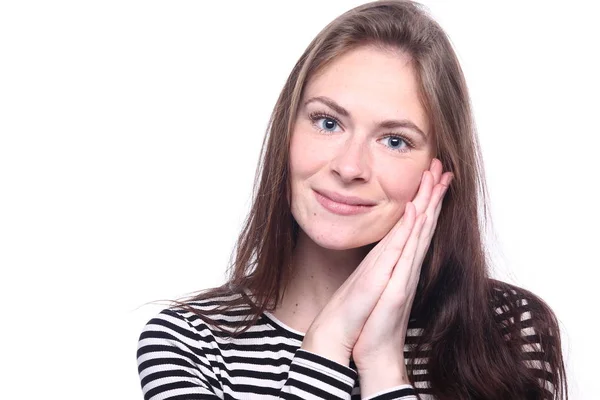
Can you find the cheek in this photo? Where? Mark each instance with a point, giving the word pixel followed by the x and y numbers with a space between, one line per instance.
pixel 306 156
pixel 304 162
pixel 298 156
pixel 403 188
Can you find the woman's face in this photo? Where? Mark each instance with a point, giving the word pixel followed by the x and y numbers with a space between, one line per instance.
pixel 360 132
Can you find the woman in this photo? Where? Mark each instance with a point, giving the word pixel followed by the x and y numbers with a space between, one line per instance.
pixel 361 271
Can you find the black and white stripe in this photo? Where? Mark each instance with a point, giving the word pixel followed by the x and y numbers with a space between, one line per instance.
pixel 181 357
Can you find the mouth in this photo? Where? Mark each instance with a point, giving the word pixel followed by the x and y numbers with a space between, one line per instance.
pixel 341 206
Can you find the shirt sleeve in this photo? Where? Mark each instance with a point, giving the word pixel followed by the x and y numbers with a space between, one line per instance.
pixel 176 362
pixel 536 348
pixel 534 354
pixel 312 376
pixel 402 392
pixel 173 363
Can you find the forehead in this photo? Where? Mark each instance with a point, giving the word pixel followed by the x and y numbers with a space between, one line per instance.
pixel 371 83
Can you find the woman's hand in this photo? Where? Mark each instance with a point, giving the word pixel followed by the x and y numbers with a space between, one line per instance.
pixel 335 331
pixel 379 350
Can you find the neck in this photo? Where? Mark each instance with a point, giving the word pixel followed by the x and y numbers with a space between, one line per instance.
pixel 317 273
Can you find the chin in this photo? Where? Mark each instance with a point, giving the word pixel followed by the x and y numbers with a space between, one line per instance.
pixel 339 240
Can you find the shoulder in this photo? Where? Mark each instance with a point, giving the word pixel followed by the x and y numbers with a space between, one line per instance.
pixel 513 304
pixel 179 347
pixel 199 318
pixel 188 333
pixel 531 330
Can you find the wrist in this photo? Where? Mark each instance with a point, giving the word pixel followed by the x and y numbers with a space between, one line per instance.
pixel 381 376
pixel 326 346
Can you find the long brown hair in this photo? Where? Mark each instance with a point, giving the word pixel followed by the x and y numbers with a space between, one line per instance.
pixel 471 324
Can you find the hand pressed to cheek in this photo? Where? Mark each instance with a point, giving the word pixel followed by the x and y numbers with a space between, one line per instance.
pixel 430 180
pixel 379 350
pixel 383 335
pixel 384 331
pixel 335 330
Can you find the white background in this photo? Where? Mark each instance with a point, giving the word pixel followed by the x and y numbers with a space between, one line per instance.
pixel 130 132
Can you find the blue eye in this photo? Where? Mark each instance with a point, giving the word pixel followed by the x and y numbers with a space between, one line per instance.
pixel 396 143
pixel 324 122
pixel 327 124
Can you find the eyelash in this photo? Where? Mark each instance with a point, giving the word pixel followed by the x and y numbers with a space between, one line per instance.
pixel 315 116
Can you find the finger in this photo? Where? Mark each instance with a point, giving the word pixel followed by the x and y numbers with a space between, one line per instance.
pixel 424 194
pixel 400 280
pixel 407 217
pixel 429 227
pixel 438 208
pixel 447 177
pixel 397 235
pixel 423 197
pixel 434 206
pixel 421 201
pixel 435 200
pixel 391 252
pixel 383 262
pixel 436 169
pixel 437 196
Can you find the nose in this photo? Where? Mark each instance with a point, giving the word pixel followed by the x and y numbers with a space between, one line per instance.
pixel 352 161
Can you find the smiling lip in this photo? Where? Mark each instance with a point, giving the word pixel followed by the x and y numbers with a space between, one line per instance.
pixel 343 205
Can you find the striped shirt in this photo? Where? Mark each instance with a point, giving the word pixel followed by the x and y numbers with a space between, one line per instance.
pixel 182 357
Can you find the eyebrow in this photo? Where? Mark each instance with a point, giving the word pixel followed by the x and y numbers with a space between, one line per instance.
pixel 387 124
